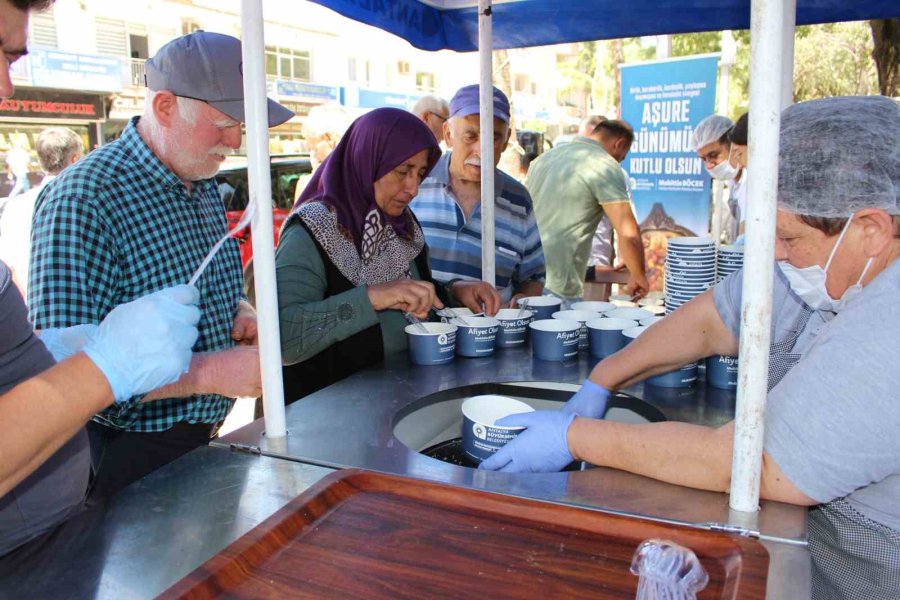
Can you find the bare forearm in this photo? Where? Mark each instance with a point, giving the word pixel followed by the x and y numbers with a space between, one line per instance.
pixel 692 332
pixel 632 250
pixel 531 288
pixel 679 453
pixel 232 373
pixel 188 384
pixel 41 414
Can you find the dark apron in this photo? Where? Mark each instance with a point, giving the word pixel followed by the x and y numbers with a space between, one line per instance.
pixel 852 555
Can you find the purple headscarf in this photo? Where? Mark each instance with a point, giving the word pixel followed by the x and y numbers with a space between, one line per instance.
pixel 373 146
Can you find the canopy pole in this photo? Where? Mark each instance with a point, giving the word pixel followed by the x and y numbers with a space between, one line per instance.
pixel 787 72
pixel 766 45
pixel 486 101
pixel 257 120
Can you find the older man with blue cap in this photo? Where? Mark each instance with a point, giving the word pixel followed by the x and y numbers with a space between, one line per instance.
pixel 449 209
pixel 137 216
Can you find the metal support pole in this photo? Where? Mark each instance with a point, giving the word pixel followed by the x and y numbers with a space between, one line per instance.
pixel 486 101
pixel 257 121
pixel 787 71
pixel 766 44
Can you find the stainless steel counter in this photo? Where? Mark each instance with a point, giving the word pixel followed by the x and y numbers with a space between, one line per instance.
pixel 351 423
pixel 164 526
pixel 157 530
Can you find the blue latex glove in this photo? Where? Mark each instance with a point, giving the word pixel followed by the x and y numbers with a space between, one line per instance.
pixel 542 448
pixel 63 342
pixel 590 401
pixel 146 344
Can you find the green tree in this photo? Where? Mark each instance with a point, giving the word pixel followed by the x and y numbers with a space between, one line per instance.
pixel 834 59
pixel 886 52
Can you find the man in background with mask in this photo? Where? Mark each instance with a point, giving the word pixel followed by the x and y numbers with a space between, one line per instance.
pixel 712 144
pixel 832 414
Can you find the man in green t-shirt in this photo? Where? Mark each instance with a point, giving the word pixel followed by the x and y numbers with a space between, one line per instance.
pixel 573 186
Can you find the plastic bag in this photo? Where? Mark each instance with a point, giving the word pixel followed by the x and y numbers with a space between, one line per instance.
pixel 667 571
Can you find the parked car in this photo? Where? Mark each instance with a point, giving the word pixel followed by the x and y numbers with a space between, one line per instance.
pixel 286 171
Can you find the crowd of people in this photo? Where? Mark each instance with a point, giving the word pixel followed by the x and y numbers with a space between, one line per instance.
pixel 114 366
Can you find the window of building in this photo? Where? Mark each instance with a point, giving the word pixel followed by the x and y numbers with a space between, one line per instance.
pixel 520 83
pixel 43 29
pixel 425 81
pixel 287 63
pixel 189 26
pixel 138 46
pixel 402 67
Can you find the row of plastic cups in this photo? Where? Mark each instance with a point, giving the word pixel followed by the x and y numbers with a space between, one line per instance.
pixel 569 331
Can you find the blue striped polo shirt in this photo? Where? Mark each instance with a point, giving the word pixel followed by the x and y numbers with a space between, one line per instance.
pixel 455 244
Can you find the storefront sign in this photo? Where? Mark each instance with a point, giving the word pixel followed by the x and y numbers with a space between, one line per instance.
pixel 52 105
pixel 53 69
pixel 306 91
pixel 664 101
pixel 365 98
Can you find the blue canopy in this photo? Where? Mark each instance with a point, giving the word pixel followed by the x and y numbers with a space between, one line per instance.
pixel 453 24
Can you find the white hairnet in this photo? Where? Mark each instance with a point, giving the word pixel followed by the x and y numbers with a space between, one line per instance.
pixel 709 130
pixel 839 155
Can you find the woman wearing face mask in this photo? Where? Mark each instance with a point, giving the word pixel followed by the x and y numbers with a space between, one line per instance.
pixel 832 415
pixel 712 144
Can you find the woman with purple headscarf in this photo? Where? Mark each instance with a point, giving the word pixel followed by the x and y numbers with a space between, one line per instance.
pixel 352 257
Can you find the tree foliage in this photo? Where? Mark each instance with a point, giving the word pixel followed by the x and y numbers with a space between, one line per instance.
pixel 834 59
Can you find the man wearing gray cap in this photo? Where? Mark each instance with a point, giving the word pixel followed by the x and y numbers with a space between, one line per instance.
pixel 139 215
pixel 449 208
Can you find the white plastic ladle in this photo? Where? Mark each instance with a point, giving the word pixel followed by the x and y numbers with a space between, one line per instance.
pixel 241 225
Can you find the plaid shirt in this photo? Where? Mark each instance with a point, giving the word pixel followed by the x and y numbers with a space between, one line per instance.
pixel 454 244
pixel 116 226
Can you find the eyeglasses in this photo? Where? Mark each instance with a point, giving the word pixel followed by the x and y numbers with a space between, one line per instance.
pixel 441 117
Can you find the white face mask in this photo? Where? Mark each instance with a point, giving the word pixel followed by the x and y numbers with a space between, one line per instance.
pixel 723 171
pixel 809 283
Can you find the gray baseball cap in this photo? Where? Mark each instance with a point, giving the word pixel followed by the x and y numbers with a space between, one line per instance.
pixel 206 66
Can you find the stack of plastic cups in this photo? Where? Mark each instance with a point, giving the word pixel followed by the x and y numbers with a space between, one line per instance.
pixel 730 259
pixel 690 269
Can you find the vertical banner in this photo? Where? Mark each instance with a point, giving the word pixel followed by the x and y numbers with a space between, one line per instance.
pixel 664 100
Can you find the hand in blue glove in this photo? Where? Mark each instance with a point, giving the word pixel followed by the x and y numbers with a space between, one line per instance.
pixel 63 342
pixel 590 401
pixel 145 344
pixel 542 448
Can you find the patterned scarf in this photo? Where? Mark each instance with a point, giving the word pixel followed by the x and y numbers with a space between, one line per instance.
pixel 338 205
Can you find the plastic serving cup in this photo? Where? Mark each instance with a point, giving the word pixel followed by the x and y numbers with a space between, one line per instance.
pixel 649 302
pixel 622 300
pixel 594 305
pixel 605 335
pixel 543 307
pixel 647 322
pixel 634 314
pixel 555 339
pixel 435 347
pixel 722 372
pixel 476 336
pixel 448 313
pixel 481 438
pixel 513 327
pixel 582 316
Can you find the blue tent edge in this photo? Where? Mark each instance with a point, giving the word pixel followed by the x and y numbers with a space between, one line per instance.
pixel 526 23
